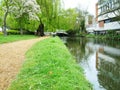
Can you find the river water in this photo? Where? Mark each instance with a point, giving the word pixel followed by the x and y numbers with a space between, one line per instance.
pixel 100 60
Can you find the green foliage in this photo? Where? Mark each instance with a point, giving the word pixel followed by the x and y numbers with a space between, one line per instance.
pixel 12 38
pixel 12 22
pixel 83 25
pixel 52 15
pixel 67 19
pixel 1 33
pixel 72 32
pixel 31 25
pixel 1 15
pixel 26 32
pixel 50 66
pixel 49 13
pixel 110 32
pixel 13 32
pixel 90 35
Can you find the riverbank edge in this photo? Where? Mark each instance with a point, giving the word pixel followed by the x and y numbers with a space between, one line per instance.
pixel 50 66
pixel 108 37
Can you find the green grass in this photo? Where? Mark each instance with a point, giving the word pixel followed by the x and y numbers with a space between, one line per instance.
pixel 50 66
pixel 90 35
pixel 12 38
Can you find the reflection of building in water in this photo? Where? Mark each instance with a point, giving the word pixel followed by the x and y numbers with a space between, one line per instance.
pixel 102 69
pixel 97 63
pixel 108 66
pixel 109 74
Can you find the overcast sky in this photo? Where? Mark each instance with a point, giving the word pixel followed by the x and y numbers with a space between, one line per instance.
pixel 88 5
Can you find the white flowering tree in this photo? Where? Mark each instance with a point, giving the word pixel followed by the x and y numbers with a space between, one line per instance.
pixel 25 10
pixel 22 10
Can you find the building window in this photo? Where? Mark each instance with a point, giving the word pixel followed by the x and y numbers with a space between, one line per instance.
pixel 107 21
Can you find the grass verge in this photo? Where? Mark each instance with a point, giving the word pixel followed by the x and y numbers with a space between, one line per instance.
pixel 12 38
pixel 50 66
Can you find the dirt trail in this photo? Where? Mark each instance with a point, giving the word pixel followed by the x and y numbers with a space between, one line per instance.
pixel 12 56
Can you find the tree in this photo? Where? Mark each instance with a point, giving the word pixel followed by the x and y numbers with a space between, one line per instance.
pixel 25 10
pixel 22 10
pixel 67 19
pixel 83 14
pixel 79 19
pixel 12 23
pixel 49 13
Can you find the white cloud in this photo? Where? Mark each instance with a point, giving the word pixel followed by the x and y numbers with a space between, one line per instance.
pixel 88 5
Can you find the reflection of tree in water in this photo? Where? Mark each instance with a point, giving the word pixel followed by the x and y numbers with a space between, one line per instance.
pixel 109 75
pixel 108 71
pixel 77 47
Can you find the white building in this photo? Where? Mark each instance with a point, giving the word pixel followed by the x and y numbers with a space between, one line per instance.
pixel 108 15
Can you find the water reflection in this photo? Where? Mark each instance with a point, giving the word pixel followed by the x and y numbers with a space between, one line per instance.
pixel 100 60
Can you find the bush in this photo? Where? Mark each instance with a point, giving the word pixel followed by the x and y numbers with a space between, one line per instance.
pixel 91 35
pixel 13 32
pixel 28 32
pixel 72 32
pixel 1 33
pixel 110 32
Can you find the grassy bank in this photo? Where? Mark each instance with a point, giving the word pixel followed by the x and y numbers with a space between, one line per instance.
pixel 50 66
pixel 12 38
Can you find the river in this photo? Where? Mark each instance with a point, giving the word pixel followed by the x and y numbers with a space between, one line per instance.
pixel 100 60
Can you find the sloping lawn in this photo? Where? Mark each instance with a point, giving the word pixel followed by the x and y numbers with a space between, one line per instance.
pixel 50 66
pixel 12 38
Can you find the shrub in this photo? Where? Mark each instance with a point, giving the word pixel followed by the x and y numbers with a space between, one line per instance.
pixel 1 33
pixel 13 32
pixel 91 35
pixel 28 32
pixel 72 32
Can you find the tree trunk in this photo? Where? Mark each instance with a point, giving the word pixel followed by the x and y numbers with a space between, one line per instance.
pixel 40 30
pixel 4 24
pixel 21 30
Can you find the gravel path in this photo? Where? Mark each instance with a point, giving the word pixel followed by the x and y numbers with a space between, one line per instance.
pixel 12 56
